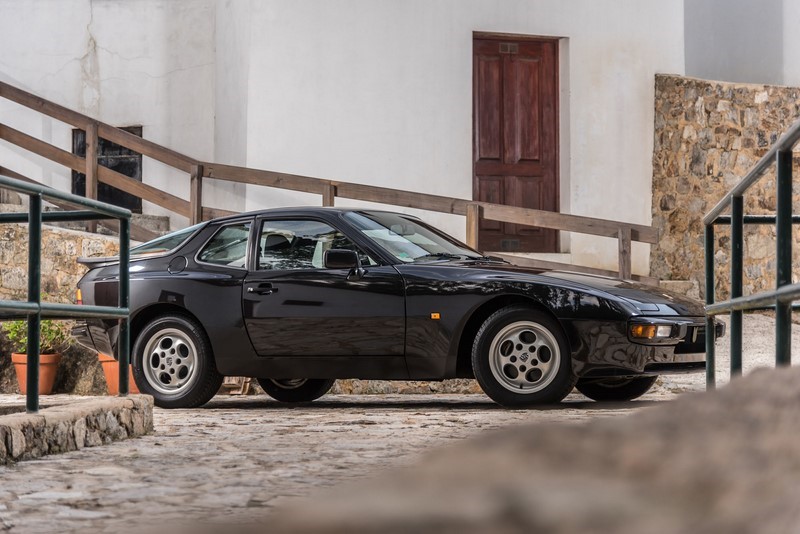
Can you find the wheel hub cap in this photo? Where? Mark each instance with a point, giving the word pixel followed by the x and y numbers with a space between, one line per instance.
pixel 170 361
pixel 524 357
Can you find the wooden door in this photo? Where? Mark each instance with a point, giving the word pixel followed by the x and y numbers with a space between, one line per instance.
pixel 515 133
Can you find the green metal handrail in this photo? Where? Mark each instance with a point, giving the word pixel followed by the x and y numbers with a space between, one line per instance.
pixel 786 293
pixel 34 309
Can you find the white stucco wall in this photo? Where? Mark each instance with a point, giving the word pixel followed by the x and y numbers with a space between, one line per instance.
pixel 791 42
pixel 368 91
pixel 380 92
pixel 232 71
pixel 148 63
pixel 735 40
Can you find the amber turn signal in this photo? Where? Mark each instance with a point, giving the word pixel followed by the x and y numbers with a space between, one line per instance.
pixel 435 316
pixel 650 331
pixel 78 297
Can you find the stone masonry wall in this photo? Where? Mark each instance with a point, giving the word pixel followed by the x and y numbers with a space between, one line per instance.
pixel 60 270
pixel 79 371
pixel 708 135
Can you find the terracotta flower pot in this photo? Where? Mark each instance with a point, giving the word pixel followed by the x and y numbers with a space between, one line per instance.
pixel 48 365
pixel 111 371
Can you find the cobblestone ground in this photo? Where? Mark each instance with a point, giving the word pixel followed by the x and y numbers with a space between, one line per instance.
pixel 239 456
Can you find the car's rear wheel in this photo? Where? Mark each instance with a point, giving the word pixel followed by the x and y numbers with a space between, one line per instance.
pixel 296 389
pixel 520 357
pixel 173 362
pixel 615 389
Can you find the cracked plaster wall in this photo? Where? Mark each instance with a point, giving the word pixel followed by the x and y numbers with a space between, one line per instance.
pixel 200 76
pixel 149 63
pixel 380 92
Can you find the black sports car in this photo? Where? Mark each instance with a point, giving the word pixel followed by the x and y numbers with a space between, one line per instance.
pixel 300 297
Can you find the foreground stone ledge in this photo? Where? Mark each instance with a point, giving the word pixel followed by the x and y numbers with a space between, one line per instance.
pixel 73 426
pixel 724 461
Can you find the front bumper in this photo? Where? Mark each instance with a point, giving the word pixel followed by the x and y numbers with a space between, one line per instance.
pixel 608 352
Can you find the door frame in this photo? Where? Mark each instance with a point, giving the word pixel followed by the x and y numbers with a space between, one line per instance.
pixel 561 112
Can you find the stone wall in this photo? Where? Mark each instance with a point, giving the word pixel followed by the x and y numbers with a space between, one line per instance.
pixel 708 135
pixel 79 371
pixel 60 270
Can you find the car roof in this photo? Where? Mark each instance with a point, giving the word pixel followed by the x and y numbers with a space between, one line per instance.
pixel 307 210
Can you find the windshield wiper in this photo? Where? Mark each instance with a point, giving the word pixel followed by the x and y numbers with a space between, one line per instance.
pixel 446 256
pixel 491 259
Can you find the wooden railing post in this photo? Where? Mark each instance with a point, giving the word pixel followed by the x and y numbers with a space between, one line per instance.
pixel 91 168
pixel 328 194
pixel 196 195
pixel 474 213
pixel 625 253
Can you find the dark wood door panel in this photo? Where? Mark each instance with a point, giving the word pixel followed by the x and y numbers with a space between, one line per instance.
pixel 489 107
pixel 491 190
pixel 528 117
pixel 515 88
pixel 492 168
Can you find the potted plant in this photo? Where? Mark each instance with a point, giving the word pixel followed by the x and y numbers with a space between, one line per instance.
pixel 54 338
pixel 111 371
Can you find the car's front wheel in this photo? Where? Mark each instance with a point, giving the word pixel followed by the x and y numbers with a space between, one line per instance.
pixel 173 362
pixel 615 389
pixel 520 357
pixel 296 389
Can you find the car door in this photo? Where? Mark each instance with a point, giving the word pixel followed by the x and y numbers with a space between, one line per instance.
pixel 294 306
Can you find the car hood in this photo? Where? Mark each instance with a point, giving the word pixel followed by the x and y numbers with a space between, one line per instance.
pixel 647 299
pixel 643 296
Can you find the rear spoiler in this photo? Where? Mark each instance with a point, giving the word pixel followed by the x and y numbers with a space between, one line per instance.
pixel 104 261
pixel 98 261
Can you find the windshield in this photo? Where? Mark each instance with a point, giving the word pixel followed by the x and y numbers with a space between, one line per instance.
pixel 165 243
pixel 408 239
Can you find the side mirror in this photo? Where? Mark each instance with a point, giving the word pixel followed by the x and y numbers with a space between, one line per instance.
pixel 341 259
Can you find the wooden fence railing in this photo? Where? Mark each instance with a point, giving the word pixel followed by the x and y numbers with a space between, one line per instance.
pixel 329 190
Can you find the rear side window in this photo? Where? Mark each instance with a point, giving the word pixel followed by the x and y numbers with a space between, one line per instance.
pixel 228 246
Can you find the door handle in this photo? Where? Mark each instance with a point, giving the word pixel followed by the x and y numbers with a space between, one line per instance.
pixel 263 289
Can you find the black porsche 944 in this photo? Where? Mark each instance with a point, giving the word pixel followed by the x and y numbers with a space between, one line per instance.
pixel 300 297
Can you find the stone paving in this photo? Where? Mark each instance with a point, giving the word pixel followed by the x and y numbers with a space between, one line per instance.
pixel 236 458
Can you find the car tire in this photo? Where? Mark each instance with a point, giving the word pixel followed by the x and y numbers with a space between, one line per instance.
pixel 521 357
pixel 173 362
pixel 615 389
pixel 296 390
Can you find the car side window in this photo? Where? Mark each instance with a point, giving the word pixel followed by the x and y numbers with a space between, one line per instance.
pixel 228 246
pixel 301 244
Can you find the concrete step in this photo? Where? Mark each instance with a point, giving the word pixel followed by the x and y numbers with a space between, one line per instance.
pixel 155 223
pixel 9 197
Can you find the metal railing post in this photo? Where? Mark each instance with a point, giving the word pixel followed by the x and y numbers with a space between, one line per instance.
pixel 124 302
pixel 34 309
pixel 35 296
pixel 711 356
pixel 783 223
pixel 737 246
